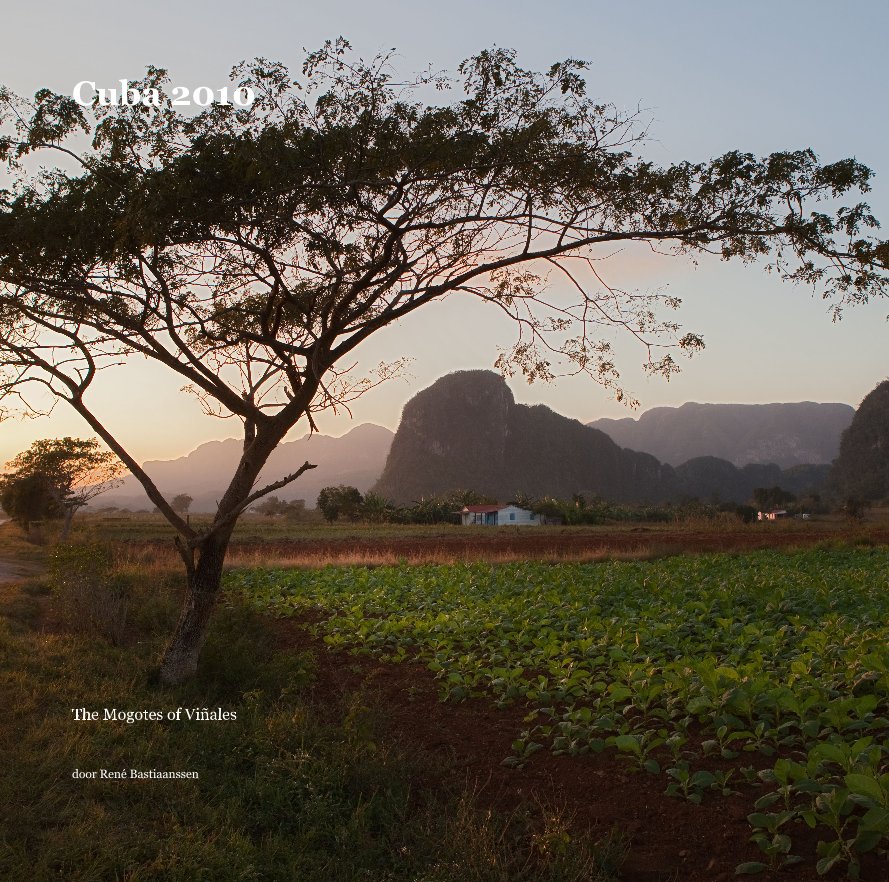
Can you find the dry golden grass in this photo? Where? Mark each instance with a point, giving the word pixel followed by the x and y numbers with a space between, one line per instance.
pixel 14 545
pixel 160 561
pixel 141 547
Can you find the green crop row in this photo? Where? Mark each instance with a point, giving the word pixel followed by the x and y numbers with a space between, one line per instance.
pixel 675 664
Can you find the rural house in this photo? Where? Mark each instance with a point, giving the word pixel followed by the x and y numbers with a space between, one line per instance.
pixel 772 515
pixel 498 516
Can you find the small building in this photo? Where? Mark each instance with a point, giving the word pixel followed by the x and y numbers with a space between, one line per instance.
pixel 776 515
pixel 498 516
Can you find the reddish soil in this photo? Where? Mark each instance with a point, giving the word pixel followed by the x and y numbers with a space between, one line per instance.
pixel 547 543
pixel 671 840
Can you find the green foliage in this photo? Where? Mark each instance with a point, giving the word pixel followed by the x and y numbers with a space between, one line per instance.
pixel 745 513
pixel 853 508
pixel 761 657
pixel 79 469
pixel 772 497
pixel 690 785
pixel 443 508
pixel 341 500
pixel 373 508
pixel 596 510
pixel 181 503
pixel 29 498
pixel 376 509
pixel 55 477
pixel 271 506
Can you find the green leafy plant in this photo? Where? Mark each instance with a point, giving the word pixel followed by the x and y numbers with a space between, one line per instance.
pixel 688 784
pixel 771 654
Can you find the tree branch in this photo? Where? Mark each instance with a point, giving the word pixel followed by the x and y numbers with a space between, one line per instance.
pixel 235 513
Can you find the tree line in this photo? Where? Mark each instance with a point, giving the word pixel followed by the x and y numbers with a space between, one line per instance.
pixel 347 503
pixel 55 477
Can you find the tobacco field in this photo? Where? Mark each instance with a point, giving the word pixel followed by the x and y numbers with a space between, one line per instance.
pixel 767 672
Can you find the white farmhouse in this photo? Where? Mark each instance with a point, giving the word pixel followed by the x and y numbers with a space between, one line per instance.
pixel 498 516
pixel 776 515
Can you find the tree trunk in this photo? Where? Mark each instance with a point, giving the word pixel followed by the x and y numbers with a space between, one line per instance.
pixel 66 524
pixel 180 660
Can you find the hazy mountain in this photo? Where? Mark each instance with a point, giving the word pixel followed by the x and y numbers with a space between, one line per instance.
pixel 356 458
pixel 785 434
pixel 708 477
pixel 467 432
pixel 862 468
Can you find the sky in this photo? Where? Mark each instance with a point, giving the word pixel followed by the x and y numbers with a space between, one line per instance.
pixel 758 76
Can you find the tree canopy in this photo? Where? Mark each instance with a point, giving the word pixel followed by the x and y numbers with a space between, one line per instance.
pixel 29 498
pixel 271 506
pixel 341 500
pixel 56 476
pixel 251 251
pixel 181 503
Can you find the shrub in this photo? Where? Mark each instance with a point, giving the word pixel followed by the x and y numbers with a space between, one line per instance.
pixel 91 597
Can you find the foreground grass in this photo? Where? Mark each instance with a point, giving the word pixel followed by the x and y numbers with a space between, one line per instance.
pixel 299 787
pixel 14 546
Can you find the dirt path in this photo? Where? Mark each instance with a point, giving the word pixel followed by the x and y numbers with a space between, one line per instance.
pixel 12 568
pixel 13 571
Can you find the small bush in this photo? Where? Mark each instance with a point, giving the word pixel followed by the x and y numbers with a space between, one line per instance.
pixel 90 596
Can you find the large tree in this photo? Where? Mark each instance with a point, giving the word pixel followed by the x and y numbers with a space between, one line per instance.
pixel 340 500
pixel 29 498
pixel 251 251
pixel 65 473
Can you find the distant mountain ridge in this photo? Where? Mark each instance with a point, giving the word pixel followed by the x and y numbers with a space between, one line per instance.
pixel 356 458
pixel 790 434
pixel 467 432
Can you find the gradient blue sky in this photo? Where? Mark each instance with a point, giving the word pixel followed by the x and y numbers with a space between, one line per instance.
pixel 757 76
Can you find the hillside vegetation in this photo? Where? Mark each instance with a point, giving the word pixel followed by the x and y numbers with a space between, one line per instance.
pixel 862 468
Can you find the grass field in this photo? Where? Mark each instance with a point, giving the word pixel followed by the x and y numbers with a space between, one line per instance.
pixel 301 785
pixel 142 542
pixel 448 710
pixel 122 526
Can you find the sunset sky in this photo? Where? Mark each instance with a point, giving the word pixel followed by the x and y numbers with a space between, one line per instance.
pixel 758 76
